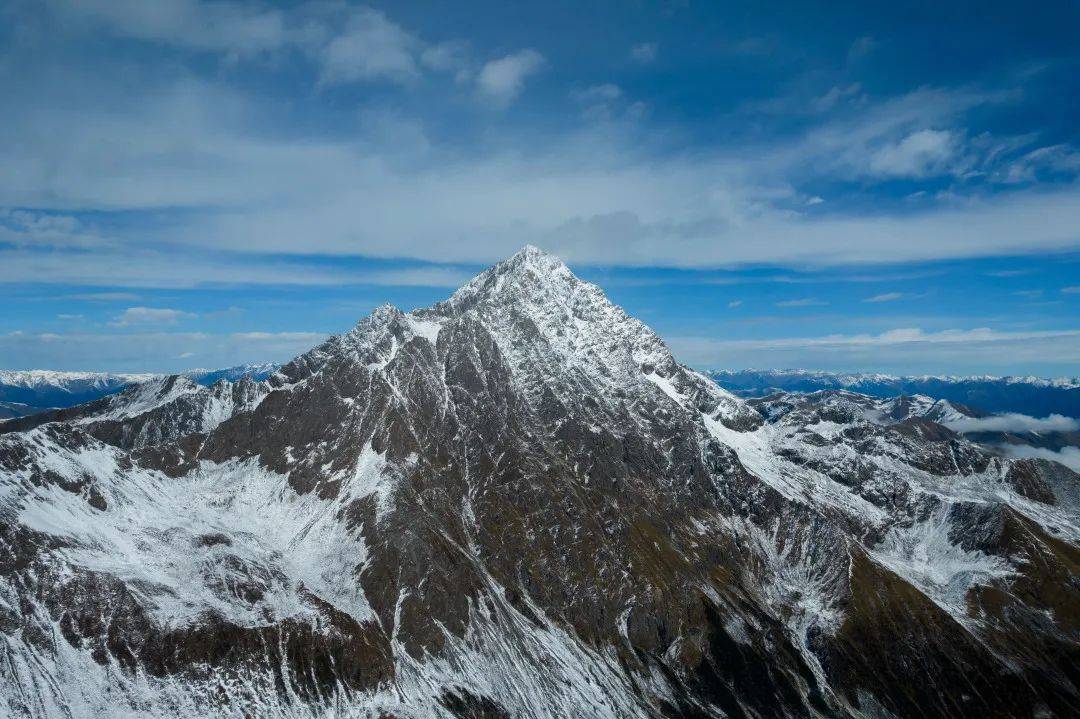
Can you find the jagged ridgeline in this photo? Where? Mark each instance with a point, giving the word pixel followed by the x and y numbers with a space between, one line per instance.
pixel 517 503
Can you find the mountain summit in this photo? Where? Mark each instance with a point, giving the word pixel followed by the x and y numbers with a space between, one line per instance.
pixel 517 503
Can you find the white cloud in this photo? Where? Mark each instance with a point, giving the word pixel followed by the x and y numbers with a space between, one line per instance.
pixel 803 302
pixel 1015 422
pixel 1069 456
pixel 69 317
pixel 370 48
pixel 501 81
pixel 885 297
pixel 644 53
pixel 734 303
pixel 150 316
pixel 1072 290
pixel 921 153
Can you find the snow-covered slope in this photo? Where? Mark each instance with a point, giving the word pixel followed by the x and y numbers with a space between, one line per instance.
pixel 518 503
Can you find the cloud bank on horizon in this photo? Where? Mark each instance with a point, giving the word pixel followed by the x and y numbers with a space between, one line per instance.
pixel 213 169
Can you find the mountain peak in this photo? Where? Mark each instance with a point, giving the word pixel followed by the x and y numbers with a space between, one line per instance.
pixel 532 258
pixel 530 272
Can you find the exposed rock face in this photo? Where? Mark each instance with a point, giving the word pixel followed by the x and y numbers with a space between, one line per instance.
pixel 516 503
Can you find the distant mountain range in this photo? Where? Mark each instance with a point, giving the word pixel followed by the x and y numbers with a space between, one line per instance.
pixel 1033 396
pixel 27 392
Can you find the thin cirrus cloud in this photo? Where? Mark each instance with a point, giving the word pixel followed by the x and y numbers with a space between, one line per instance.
pixel 885 297
pixel 802 302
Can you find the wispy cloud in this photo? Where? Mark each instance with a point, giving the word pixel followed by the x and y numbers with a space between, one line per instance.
pixel 371 47
pixel 150 316
pixel 734 303
pixel 803 302
pixel 885 297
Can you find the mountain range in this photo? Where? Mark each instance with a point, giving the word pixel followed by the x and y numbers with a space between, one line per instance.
pixel 1033 396
pixel 26 392
pixel 517 503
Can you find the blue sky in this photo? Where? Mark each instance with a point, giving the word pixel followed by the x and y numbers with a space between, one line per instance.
pixel 860 186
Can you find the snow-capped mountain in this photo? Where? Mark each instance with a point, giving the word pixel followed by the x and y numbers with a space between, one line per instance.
pixel 517 503
pixel 28 392
pixel 1026 395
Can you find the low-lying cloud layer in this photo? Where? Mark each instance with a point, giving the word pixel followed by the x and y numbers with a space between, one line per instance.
pixel 1012 422
pixel 1069 456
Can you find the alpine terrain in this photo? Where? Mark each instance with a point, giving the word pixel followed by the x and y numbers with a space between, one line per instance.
pixel 517 503
pixel 1027 395
pixel 24 393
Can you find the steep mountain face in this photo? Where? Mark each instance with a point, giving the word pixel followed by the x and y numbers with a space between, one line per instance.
pixel 1026 395
pixel 516 503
